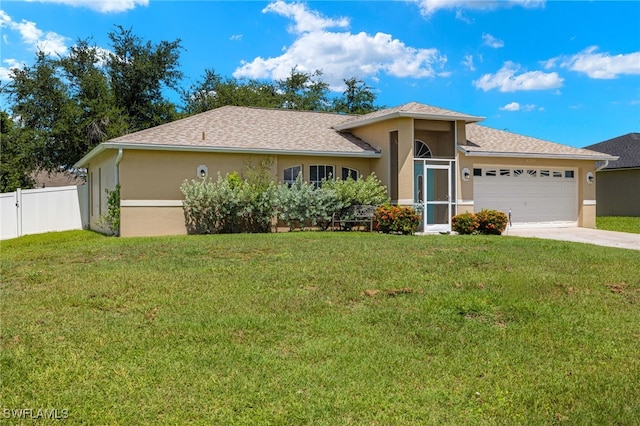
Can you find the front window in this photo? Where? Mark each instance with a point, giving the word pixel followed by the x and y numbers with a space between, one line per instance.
pixel 421 149
pixel 350 173
pixel 320 172
pixel 291 174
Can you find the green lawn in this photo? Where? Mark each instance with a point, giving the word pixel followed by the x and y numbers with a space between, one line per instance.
pixel 320 328
pixel 619 223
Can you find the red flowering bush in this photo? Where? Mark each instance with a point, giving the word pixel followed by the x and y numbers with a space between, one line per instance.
pixel 492 222
pixel 465 223
pixel 398 219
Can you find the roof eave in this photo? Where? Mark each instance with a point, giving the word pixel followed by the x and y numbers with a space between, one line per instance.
pixel 397 114
pixel 186 148
pixel 547 156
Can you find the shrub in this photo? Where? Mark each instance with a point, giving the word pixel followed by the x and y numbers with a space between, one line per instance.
pixel 367 191
pixel 303 204
pixel 230 204
pixel 110 220
pixel 492 222
pixel 465 223
pixel 396 219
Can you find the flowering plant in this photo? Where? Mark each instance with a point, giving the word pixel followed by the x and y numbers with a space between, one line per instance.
pixel 465 223
pixel 396 219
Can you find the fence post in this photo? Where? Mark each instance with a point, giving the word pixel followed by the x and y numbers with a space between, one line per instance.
pixel 19 212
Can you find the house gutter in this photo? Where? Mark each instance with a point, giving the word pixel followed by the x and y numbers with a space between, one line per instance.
pixel 116 167
pixel 352 124
pixel 186 148
pixel 603 157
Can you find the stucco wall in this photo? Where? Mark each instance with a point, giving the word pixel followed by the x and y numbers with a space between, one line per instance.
pixel 618 192
pixel 101 177
pixel 150 181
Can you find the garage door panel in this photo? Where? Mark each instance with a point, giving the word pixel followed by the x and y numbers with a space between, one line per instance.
pixel 531 199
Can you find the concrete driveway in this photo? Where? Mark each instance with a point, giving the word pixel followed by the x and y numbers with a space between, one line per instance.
pixel 580 235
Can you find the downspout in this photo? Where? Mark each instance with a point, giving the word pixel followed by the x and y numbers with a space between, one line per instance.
pixel 604 165
pixel 116 178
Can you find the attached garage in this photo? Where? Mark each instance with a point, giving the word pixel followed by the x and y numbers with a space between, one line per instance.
pixel 532 195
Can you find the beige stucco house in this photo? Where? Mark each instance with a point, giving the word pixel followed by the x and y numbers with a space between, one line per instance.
pixel 440 159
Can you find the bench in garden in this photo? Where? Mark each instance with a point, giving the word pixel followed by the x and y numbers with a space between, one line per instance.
pixel 354 215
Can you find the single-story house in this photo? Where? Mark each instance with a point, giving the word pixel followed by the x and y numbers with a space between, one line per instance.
pixel 441 159
pixel 618 188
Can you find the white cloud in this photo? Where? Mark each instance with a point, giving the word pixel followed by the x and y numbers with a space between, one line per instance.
pixel 600 65
pixel 48 42
pixel 236 37
pixel 429 7
pixel 305 20
pixel 340 54
pixel 11 64
pixel 102 6
pixel 506 80
pixel 515 106
pixel 491 41
pixel 468 62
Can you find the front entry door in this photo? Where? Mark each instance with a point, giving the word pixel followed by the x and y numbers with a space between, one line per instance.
pixel 433 191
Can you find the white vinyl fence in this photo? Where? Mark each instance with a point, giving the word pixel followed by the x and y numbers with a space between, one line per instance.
pixel 33 211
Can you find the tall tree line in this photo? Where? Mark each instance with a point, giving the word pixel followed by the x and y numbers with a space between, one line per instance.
pixel 60 108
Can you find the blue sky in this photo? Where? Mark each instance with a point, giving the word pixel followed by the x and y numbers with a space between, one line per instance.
pixel 565 71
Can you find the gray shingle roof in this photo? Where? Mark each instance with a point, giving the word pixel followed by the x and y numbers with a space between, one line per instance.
pixel 262 130
pixel 627 147
pixel 411 109
pixel 253 129
pixel 485 140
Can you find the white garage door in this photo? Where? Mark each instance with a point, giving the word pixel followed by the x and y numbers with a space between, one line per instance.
pixel 533 195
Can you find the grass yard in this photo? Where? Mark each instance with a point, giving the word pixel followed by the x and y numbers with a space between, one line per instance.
pixel 320 328
pixel 619 223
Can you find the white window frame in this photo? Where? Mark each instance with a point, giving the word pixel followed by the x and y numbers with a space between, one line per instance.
pixel 350 172
pixel 319 177
pixel 292 171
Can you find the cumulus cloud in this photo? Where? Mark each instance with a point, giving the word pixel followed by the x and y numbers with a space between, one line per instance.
pixel 507 80
pixel 491 41
pixel 429 7
pixel 102 6
pixel 340 54
pixel 48 42
pixel 515 106
pixel 599 65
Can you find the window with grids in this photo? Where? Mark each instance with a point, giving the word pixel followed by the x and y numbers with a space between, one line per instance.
pixel 319 172
pixel 350 173
pixel 291 174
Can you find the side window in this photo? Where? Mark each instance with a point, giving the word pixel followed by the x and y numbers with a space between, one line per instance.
pixel 319 172
pixel 350 173
pixel 291 174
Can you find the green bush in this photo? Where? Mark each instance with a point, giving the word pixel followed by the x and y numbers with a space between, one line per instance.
pixel 110 220
pixel 492 222
pixel 303 205
pixel 229 204
pixel 396 219
pixel 465 223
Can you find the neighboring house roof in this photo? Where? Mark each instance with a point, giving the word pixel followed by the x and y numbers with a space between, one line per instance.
pixel 626 147
pixel 485 141
pixel 412 109
pixel 45 179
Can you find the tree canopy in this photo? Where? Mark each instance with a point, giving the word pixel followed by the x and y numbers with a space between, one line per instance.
pixel 61 108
